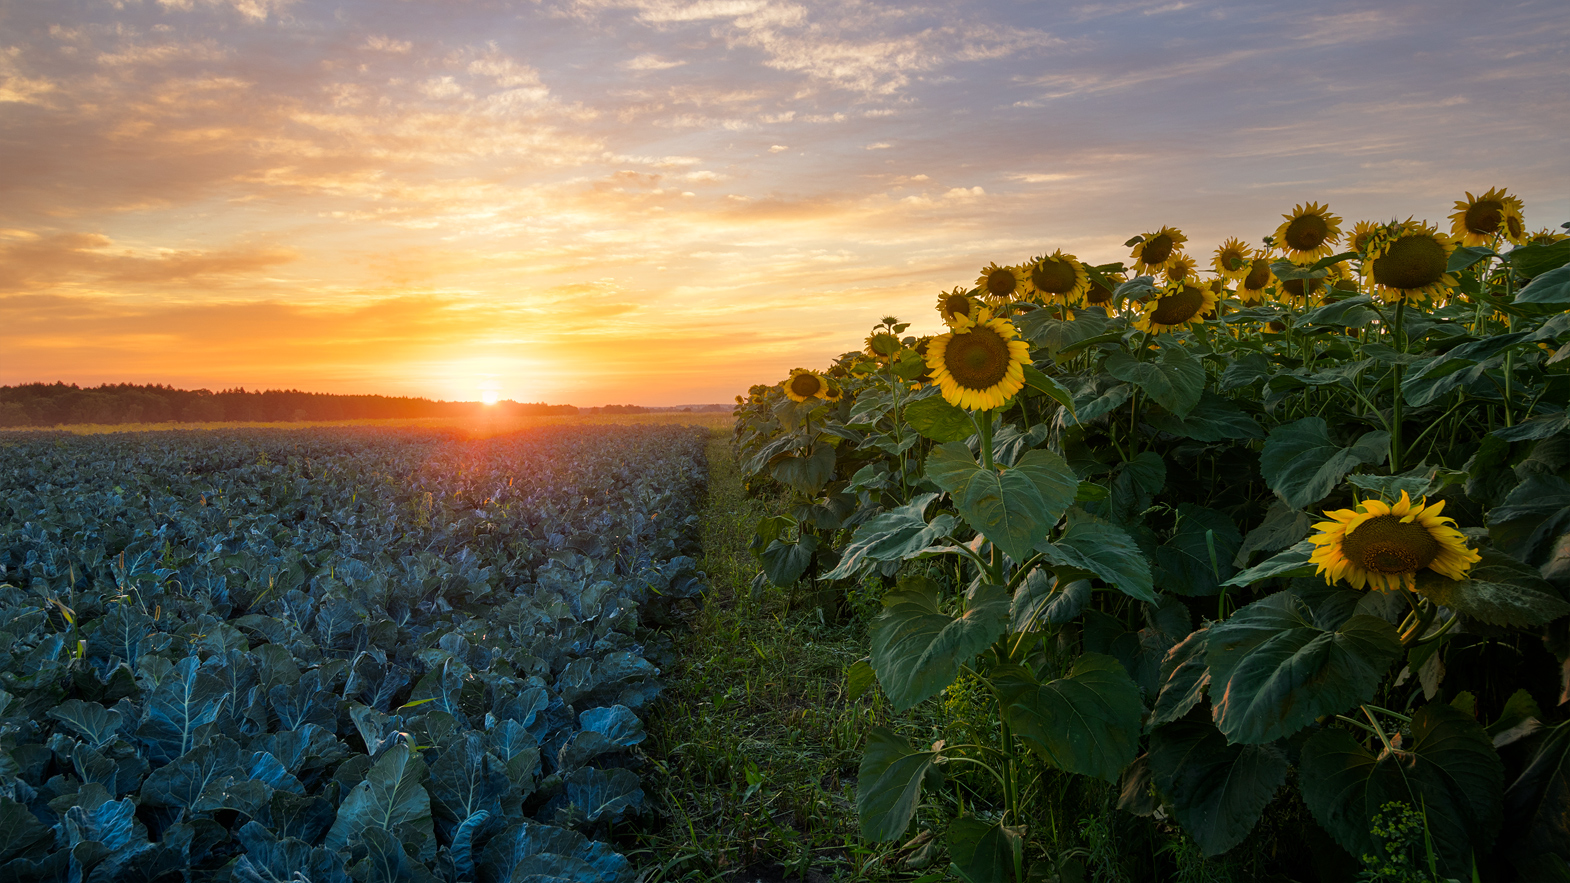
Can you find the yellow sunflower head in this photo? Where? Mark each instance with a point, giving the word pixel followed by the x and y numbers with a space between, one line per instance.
pixel 1179 268
pixel 952 304
pixel 1478 219
pixel 979 365
pixel 1362 233
pixel 1155 250
pixel 1232 259
pixel 1058 278
pixel 1545 236
pixel 1177 305
pixel 1251 288
pixel 1001 284
pixel 832 391
pixel 1407 260
pixel 1308 234
pixel 1382 545
pixel 804 384
pixel 883 345
pixel 1098 295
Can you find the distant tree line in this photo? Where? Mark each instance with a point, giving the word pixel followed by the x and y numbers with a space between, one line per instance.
pixel 46 404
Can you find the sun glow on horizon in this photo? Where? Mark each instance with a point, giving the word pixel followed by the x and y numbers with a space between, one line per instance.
pixel 490 392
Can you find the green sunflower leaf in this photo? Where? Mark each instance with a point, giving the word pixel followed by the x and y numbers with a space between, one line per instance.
pixel 1051 388
pixel 1302 465
pixel 1537 803
pixel 889 784
pixel 1175 382
pixel 1085 723
pixel 1013 507
pixel 1464 257
pixel 1499 590
pixel 1536 261
pixel 917 650
pixel 1273 671
pixel 984 852
pixel 1197 558
pixel 894 535
pixel 1292 562
pixel 807 473
pixel 938 420
pixel 1215 418
pixel 1218 790
pixel 1184 678
pixel 1092 547
pixel 1446 769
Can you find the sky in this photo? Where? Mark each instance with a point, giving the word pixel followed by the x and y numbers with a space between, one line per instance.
pixel 665 201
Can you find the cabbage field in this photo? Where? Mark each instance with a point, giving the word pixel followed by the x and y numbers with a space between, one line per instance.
pixel 332 654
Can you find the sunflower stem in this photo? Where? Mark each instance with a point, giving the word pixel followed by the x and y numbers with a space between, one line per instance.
pixel 1397 371
pixel 1378 731
pixel 1509 354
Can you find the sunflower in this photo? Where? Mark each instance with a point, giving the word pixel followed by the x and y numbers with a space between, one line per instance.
pixel 1251 288
pixel 832 392
pixel 952 304
pixel 1180 267
pixel 1545 236
pixel 1383 546
pixel 978 365
pixel 1156 249
pixel 883 345
pixel 1002 284
pixel 1232 259
pixel 1180 303
pixel 1309 233
pixel 1059 278
pixel 1478 219
pixel 1408 260
pixel 804 384
pixel 1361 233
pixel 1098 295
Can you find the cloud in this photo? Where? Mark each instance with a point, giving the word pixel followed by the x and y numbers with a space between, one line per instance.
pixel 648 61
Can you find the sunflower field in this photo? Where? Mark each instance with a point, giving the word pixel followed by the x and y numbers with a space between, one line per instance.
pixel 1269 546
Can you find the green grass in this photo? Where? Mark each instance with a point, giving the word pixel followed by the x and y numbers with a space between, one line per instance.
pixel 754 745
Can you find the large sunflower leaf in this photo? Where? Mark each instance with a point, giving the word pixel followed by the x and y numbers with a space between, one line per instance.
pixel 938 420
pixel 1446 769
pixel 807 472
pixel 1302 465
pixel 1092 547
pixel 889 784
pixel 1499 590
pixel 1272 671
pixel 785 562
pixel 1043 599
pixel 1041 383
pixel 1013 507
pixel 1532 517
pixel 1175 382
pixel 1537 803
pixel 1215 418
pixel 1292 562
pixel 984 852
pixel 1086 722
pixel 1197 558
pixel 1184 678
pixel 1218 790
pixel 895 534
pixel 917 650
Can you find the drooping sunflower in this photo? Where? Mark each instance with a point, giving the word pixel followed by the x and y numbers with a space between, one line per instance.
pixel 957 303
pixel 1001 284
pixel 1098 295
pixel 1383 546
pixel 1407 260
pixel 1232 259
pixel 1545 236
pixel 1179 304
pixel 979 365
pixel 1059 278
pixel 1180 267
pixel 804 384
pixel 1155 251
pixel 832 392
pixel 1308 233
pixel 1478 219
pixel 1362 233
pixel 883 345
pixel 1251 288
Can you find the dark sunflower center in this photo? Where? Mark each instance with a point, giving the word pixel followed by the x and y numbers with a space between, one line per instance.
pixel 1232 260
pixel 1360 243
pixel 956 305
pixel 1098 293
pixel 806 385
pixel 1484 216
pixel 1411 262
pixel 1258 275
pixel 1306 233
pixel 1157 249
pixel 1001 283
pixel 1387 545
pixel 1179 306
pixel 1513 227
pixel 1053 277
pixel 1295 286
pixel 978 359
